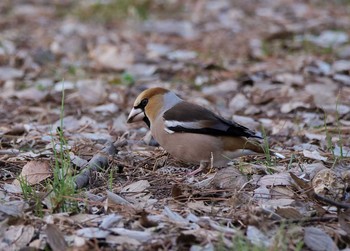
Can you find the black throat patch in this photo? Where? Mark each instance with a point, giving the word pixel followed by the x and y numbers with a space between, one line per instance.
pixel 146 120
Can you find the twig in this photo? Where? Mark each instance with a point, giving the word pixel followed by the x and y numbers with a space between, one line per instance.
pixel 331 202
pixel 9 152
pixel 342 130
pixel 98 163
pixel 312 195
pixel 307 220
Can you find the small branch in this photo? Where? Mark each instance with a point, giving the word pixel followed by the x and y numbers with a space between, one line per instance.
pixel 341 130
pixel 9 152
pixel 331 202
pixel 312 195
pixel 307 220
pixel 98 163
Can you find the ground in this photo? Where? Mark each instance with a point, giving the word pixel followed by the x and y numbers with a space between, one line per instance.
pixel 75 176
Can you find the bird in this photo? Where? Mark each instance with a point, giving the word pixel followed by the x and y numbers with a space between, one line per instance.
pixel 192 133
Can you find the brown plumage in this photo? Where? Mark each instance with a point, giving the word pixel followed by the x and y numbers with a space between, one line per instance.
pixel 190 132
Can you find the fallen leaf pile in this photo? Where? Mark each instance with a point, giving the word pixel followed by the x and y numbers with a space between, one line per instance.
pixel 75 176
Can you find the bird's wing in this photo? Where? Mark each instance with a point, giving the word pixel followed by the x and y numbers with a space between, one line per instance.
pixel 187 117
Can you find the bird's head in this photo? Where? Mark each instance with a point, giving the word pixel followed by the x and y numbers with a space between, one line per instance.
pixel 150 103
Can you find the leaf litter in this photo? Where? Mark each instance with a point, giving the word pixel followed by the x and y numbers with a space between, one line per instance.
pixel 283 66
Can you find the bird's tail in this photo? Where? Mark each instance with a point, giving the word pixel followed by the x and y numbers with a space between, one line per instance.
pixel 257 147
pixel 253 145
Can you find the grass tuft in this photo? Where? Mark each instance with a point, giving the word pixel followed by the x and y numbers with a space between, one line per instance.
pixel 31 196
pixel 269 161
pixel 110 11
pixel 240 243
pixel 110 179
pixel 63 185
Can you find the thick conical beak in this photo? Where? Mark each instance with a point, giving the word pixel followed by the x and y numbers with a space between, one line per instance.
pixel 135 115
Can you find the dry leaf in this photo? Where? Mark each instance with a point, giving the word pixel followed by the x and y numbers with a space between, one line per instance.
pixel 229 178
pixel 200 207
pixel 317 240
pixel 91 91
pixel 110 220
pixel 322 93
pixel 311 136
pixel 11 188
pixel 31 94
pixel 223 87
pixel 92 232
pixel 176 191
pixel 116 199
pixel 288 213
pixel 145 221
pixel 277 179
pixel 326 182
pixel 314 155
pixel 184 28
pixel 104 57
pixel 328 38
pixel 125 241
pixel 313 168
pixel 262 193
pixel 137 235
pixel 278 203
pixel 257 237
pixel 136 187
pixel 16 237
pixel 55 238
pixel 16 130
pixel 13 208
pixel 303 185
pixel 107 56
pixel 7 73
pixel 288 107
pixel 290 79
pixel 174 216
pixel 34 172
pixel 281 192
pixel 344 221
pixel 238 103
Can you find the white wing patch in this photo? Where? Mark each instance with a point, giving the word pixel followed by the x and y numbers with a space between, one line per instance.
pixel 168 130
pixel 175 123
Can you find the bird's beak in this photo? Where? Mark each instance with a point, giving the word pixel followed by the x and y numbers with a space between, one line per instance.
pixel 135 115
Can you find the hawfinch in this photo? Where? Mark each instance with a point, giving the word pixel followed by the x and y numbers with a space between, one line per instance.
pixel 190 132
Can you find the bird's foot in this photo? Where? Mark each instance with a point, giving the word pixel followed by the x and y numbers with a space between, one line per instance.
pixel 202 166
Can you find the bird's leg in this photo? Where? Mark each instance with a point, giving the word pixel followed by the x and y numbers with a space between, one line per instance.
pixel 211 162
pixel 203 165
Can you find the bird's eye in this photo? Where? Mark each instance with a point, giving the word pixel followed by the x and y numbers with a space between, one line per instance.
pixel 144 102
